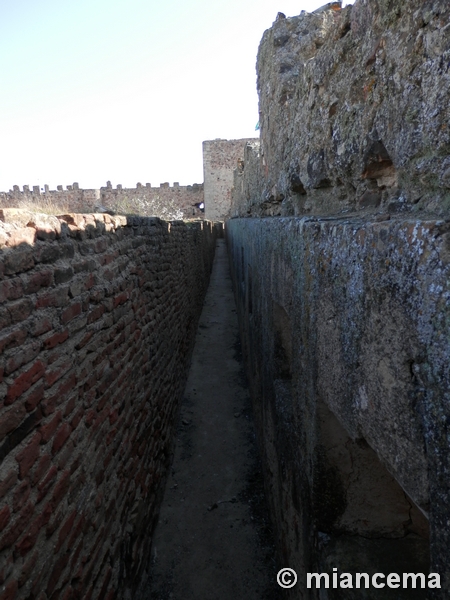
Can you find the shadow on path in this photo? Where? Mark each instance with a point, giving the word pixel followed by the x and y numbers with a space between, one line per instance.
pixel 213 539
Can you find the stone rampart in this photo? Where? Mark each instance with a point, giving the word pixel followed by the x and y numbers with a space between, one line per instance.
pixel 98 317
pixel 220 159
pixel 343 298
pixel 72 198
pixel 165 201
pixel 354 110
pixel 177 201
pixel 345 328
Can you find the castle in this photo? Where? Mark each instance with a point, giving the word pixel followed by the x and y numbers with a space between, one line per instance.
pixel 171 202
pixel 337 226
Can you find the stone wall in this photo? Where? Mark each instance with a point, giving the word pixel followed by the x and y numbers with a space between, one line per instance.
pixel 343 297
pixel 345 328
pixel 354 110
pixel 247 197
pixel 220 159
pixel 73 198
pixel 165 201
pixel 98 317
pixel 177 201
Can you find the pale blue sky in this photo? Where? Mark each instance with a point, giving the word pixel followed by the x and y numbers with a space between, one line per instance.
pixel 126 90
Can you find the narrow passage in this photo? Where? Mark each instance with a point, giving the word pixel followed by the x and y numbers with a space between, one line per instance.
pixel 213 540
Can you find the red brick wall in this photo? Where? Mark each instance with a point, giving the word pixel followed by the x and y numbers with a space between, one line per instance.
pixel 97 319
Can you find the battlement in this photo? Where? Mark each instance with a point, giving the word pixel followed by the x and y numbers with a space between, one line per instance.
pixel 176 187
pixel 36 190
pixel 171 202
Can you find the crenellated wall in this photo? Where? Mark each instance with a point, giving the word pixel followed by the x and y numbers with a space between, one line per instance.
pixel 98 316
pixel 165 201
pixel 73 198
pixel 177 201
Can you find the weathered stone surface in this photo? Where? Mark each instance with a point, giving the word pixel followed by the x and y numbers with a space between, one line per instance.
pixel 354 109
pixel 344 312
pixel 165 201
pixel 220 159
pixel 345 326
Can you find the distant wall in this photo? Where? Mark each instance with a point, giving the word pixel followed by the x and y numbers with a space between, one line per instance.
pixel 177 201
pixel 169 199
pixel 97 322
pixel 73 198
pixel 220 159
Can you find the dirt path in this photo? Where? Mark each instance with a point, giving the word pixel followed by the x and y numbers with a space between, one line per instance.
pixel 213 541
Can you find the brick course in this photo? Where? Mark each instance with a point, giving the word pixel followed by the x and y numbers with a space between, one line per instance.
pixel 99 320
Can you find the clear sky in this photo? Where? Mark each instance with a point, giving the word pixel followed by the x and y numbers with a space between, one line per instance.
pixel 126 90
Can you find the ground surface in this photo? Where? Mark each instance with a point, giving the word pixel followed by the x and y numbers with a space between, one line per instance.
pixel 213 539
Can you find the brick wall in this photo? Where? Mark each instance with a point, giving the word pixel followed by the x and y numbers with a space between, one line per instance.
pixel 98 316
